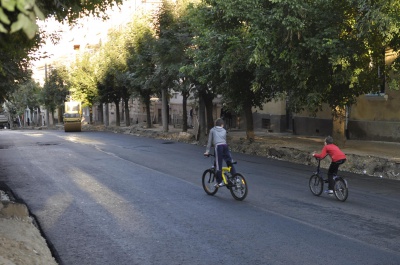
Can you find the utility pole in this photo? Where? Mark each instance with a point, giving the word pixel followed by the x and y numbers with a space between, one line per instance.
pixel 164 113
pixel 47 111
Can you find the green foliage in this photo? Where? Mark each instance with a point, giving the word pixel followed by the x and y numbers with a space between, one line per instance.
pixel 249 51
pixel 394 78
pixel 14 62
pixel 55 89
pixel 83 80
pixel 112 63
pixel 19 32
pixel 140 45
pixel 16 15
pixel 19 15
pixel 324 51
pixel 222 53
pixel 26 94
pixel 173 39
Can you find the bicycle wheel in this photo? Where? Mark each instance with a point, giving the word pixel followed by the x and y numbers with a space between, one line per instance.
pixel 209 180
pixel 316 184
pixel 340 189
pixel 238 188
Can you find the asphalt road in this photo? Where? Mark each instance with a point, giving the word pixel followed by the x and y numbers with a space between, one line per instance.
pixel 104 198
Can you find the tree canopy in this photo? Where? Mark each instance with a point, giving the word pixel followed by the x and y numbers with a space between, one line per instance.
pixel 55 89
pixel 19 33
pixel 249 51
pixel 16 15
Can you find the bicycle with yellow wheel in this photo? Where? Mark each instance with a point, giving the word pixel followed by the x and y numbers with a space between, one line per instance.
pixel 235 183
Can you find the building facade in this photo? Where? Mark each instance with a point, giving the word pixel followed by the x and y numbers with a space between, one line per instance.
pixel 375 116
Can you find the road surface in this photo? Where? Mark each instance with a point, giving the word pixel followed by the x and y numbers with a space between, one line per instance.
pixel 105 198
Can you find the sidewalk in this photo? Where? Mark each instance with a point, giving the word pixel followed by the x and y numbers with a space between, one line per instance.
pixel 379 159
pixel 388 150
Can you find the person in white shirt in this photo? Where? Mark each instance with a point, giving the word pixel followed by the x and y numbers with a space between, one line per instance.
pixel 217 137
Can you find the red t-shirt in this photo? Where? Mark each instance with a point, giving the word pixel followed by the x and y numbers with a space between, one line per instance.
pixel 333 151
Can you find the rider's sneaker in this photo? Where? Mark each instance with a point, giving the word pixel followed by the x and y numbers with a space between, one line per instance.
pixel 329 192
pixel 219 185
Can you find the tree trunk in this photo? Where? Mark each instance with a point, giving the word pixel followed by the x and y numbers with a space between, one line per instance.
pixel 59 114
pixel 53 120
pixel 184 111
pixel 39 117
pixel 106 115
pixel 148 114
pixel 164 113
pixel 209 111
pixel 339 126
pixel 47 118
pixel 127 115
pixel 117 115
pixel 91 114
pixel 248 115
pixel 202 130
pixel 101 113
pixel 122 117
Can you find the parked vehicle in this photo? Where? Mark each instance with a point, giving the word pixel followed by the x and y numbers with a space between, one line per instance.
pixel 4 122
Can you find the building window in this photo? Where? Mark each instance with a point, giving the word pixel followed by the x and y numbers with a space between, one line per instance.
pixel 266 124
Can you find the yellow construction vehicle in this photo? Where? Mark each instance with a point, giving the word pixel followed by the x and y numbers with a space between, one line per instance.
pixel 73 116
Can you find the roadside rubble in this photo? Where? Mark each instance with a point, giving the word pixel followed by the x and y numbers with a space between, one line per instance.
pixel 20 240
pixel 375 162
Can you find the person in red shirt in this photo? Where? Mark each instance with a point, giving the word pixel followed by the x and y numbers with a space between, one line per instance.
pixel 337 157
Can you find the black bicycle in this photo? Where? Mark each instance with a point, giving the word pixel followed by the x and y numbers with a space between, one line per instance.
pixel 235 183
pixel 316 184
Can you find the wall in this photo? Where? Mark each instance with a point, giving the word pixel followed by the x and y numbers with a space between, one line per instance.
pixel 376 117
pixel 272 117
pixel 320 124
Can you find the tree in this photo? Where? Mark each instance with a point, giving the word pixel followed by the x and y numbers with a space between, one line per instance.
pixel 27 95
pixel 319 49
pixel 14 63
pixel 185 85
pixel 20 36
pixel 22 15
pixel 55 90
pixel 140 62
pixel 109 92
pixel 83 81
pixel 201 68
pixel 221 54
pixel 323 52
pixel 173 39
pixel 378 23
pixel 126 93
pixel 111 66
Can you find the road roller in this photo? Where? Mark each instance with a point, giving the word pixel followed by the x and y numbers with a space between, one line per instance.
pixel 73 116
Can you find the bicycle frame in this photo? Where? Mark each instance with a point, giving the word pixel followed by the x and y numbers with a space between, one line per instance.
pixel 319 173
pixel 224 170
pixel 236 183
pixel 317 181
